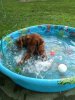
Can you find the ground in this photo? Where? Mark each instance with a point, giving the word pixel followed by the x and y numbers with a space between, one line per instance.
pixel 17 14
pixel 10 91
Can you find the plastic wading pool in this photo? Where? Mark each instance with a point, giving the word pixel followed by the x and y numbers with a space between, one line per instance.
pixel 41 85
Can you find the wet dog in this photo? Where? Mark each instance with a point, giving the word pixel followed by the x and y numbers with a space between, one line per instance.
pixel 34 45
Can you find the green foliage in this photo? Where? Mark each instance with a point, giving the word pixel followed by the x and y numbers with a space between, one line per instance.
pixel 7 39
pixel 67 81
pixel 17 70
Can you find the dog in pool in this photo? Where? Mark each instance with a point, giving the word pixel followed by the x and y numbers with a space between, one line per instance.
pixel 34 45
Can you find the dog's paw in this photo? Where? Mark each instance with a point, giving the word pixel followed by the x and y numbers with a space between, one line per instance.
pixel 20 62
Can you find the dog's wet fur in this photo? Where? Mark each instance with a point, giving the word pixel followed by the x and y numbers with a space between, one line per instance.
pixel 34 44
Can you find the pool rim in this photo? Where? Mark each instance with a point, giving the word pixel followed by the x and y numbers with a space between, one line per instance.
pixel 27 76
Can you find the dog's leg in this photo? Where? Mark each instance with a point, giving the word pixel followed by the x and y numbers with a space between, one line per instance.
pixel 25 58
pixel 41 52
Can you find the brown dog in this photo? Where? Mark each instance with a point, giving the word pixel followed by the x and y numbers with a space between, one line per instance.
pixel 34 45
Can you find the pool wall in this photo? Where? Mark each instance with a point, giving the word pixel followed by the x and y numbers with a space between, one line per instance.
pixel 40 85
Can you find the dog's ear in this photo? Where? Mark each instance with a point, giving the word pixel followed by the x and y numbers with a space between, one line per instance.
pixel 41 41
pixel 19 43
pixel 28 39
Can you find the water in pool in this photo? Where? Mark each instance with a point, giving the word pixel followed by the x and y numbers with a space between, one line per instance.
pixel 59 51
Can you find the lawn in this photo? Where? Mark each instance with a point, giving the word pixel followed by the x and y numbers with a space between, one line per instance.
pixel 15 14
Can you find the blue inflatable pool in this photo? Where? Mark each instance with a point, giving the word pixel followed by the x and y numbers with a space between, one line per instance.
pixel 40 85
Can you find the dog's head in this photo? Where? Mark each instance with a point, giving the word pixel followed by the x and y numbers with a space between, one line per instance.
pixel 31 41
pixel 34 40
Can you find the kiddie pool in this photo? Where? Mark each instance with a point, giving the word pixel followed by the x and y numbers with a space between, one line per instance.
pixel 40 85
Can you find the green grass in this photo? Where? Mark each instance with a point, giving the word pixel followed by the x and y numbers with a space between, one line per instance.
pixel 15 14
